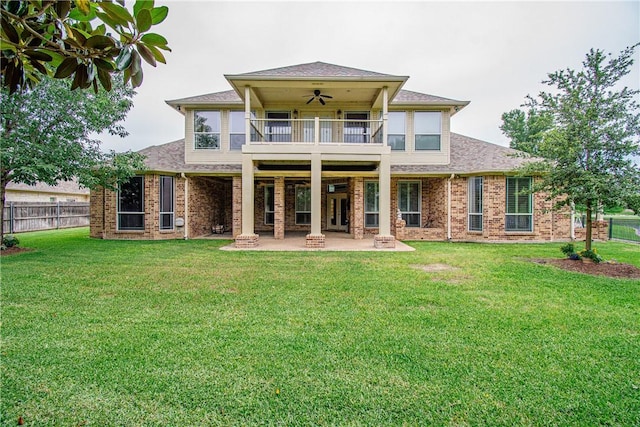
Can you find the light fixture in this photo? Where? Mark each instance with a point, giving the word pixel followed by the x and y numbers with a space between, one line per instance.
pixel 295 114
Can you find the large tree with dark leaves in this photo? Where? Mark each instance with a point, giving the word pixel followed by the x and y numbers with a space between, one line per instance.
pixel 588 151
pixel 46 136
pixel 85 41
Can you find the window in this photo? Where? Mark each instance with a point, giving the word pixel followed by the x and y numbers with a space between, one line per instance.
pixel 303 205
pixel 131 204
pixel 427 128
pixel 236 130
pixel 278 126
pixel 269 205
pixel 475 203
pixel 519 205
pixel 396 130
pixel 166 203
pixel 206 130
pixel 371 206
pixel 356 127
pixel 409 202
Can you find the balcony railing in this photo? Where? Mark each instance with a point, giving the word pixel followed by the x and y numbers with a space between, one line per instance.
pixel 316 131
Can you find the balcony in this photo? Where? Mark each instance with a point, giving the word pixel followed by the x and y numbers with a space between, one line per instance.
pixel 316 131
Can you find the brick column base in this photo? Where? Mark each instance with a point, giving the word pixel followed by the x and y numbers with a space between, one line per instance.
pixel 244 241
pixel 384 242
pixel 315 241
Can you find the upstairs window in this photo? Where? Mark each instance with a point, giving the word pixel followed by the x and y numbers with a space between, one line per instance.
pixel 475 203
pixel 278 126
pixel 519 204
pixel 356 127
pixel 396 130
pixel 131 204
pixel 427 128
pixel 409 202
pixel 236 130
pixel 166 203
pixel 206 130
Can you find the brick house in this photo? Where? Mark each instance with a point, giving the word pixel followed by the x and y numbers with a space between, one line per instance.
pixel 318 148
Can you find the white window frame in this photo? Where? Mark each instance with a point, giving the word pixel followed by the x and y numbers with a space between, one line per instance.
pixel 298 210
pixel 372 213
pixel 215 133
pixel 517 215
pixel 475 206
pixel 120 212
pixel 285 132
pixel 240 114
pixel 438 133
pixel 169 213
pixel 269 210
pixel 391 134
pixel 406 213
pixel 365 136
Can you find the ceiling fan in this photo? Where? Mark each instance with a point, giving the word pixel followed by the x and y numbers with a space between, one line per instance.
pixel 317 95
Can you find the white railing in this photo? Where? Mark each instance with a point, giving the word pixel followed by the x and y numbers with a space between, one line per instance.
pixel 315 131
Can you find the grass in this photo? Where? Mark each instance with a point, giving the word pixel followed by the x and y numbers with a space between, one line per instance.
pixel 179 333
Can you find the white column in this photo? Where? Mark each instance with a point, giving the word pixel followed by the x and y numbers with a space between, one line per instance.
pixel 247 194
pixel 385 115
pixel 385 195
pixel 316 194
pixel 247 115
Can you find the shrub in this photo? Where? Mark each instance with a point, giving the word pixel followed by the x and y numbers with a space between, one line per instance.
pixel 591 254
pixel 568 249
pixel 9 241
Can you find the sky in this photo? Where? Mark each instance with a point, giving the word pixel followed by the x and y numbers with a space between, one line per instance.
pixel 490 53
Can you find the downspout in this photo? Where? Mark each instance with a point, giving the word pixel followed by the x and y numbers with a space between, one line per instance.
pixel 186 205
pixel 572 230
pixel 104 213
pixel 449 206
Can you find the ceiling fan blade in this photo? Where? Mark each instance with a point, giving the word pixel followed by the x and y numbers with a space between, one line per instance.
pixel 312 98
pixel 321 101
pixel 327 96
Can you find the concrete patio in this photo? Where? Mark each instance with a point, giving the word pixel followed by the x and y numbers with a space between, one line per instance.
pixel 333 242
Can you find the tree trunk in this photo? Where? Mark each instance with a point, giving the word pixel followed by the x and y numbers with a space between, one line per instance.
pixel 589 224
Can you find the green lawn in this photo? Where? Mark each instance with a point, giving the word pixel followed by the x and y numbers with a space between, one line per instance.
pixel 103 333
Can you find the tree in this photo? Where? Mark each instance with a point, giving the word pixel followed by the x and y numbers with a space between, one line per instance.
pixel 59 39
pixel 526 130
pixel 46 136
pixel 596 127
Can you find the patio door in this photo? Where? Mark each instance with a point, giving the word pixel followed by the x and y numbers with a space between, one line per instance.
pixel 326 126
pixel 337 212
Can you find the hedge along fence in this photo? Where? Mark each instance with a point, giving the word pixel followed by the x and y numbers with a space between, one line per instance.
pixel 31 216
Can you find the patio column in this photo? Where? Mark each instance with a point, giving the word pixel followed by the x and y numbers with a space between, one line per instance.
pixel 278 202
pixel 315 239
pixel 248 239
pixel 384 239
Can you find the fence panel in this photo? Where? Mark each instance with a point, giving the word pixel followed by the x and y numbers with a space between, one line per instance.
pixel 24 216
pixel 625 229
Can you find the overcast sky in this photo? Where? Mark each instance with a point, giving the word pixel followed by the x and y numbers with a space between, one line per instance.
pixel 490 53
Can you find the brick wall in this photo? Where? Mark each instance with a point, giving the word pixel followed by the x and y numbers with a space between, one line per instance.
pixel 106 201
pixel 209 204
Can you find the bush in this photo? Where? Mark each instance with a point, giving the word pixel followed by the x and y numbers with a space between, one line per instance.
pixel 10 241
pixel 591 254
pixel 568 249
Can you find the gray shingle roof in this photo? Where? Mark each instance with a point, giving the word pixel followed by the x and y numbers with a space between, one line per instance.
pixel 468 156
pixel 314 69
pixel 404 97
pixel 64 187
pixel 226 97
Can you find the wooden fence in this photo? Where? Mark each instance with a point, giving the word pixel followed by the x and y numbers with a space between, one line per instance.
pixel 31 216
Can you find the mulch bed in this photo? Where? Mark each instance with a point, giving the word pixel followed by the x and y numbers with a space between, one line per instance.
pixel 13 250
pixel 609 269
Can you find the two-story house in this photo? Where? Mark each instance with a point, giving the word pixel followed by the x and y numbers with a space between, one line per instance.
pixel 319 147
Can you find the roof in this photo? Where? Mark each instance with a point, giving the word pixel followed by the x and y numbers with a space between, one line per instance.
pixel 468 156
pixel 404 97
pixel 63 187
pixel 313 69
